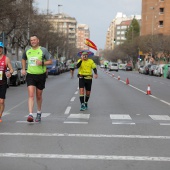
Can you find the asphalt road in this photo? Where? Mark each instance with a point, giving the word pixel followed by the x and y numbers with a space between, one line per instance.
pixel 123 129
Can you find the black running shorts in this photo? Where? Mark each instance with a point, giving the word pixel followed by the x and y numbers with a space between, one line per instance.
pixel 37 80
pixel 3 89
pixel 85 83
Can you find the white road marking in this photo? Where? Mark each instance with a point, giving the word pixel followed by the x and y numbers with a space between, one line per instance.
pixel 8 111
pixel 67 111
pixel 84 135
pixel 76 92
pixel 165 124
pixel 85 157
pixel 160 117
pixel 165 102
pixel 79 116
pixel 42 115
pixel 27 122
pixel 122 123
pixel 72 122
pixel 72 99
pixel 17 105
pixel 119 116
pixel 144 92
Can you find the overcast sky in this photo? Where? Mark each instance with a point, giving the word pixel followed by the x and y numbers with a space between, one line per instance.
pixel 97 14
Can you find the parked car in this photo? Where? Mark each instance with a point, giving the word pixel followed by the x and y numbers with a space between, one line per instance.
pixel 101 66
pixel 146 68
pixel 15 78
pixel 168 73
pixel 128 68
pixel 159 70
pixel 113 66
pixel 151 69
pixel 54 68
pixel 141 68
pixel 23 77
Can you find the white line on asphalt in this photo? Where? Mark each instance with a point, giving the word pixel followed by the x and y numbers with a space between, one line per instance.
pixel 145 92
pixel 122 123
pixel 85 157
pixel 76 92
pixel 165 102
pixel 120 116
pixel 84 135
pixel 42 115
pixel 72 122
pixel 165 124
pixel 17 105
pixel 67 110
pixel 72 99
pixel 79 116
pixel 160 117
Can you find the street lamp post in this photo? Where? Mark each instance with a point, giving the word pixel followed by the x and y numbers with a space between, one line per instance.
pixel 47 7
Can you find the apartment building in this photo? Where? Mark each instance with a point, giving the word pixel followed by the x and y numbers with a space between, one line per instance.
pixel 116 32
pixel 65 24
pixel 120 31
pixel 83 33
pixel 155 17
pixel 110 36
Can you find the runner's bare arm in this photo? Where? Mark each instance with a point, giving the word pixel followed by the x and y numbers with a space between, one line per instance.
pixel 9 65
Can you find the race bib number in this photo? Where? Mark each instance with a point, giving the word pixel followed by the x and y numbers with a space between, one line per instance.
pixel 1 75
pixel 32 61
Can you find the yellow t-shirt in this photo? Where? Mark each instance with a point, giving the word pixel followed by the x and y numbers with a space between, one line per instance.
pixel 86 68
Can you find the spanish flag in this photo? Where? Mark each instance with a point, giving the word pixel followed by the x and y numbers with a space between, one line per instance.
pixel 90 44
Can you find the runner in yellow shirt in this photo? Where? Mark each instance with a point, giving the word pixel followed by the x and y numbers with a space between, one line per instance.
pixel 85 76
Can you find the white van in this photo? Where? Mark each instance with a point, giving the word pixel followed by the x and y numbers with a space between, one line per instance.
pixel 113 66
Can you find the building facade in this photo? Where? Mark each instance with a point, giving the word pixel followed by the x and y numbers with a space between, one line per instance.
pixel 155 17
pixel 83 33
pixel 116 32
pixel 65 24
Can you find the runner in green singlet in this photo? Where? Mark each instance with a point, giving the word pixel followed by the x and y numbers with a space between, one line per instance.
pixel 37 58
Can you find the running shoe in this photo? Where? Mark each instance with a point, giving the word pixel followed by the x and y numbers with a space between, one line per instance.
pixel 83 107
pixel 30 118
pixel 86 106
pixel 38 118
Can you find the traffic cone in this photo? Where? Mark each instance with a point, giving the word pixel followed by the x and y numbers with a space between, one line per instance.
pixel 127 81
pixel 148 92
pixel 118 77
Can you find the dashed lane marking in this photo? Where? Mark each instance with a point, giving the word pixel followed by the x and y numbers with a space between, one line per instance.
pixel 72 99
pixel 67 111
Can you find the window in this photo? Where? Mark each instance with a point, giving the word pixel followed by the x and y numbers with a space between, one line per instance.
pixel 161 23
pixel 161 10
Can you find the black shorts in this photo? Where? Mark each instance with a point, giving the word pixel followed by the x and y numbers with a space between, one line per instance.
pixel 72 69
pixel 85 83
pixel 3 89
pixel 37 80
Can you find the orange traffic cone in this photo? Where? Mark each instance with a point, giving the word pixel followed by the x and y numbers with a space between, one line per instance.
pixel 127 81
pixel 118 77
pixel 148 92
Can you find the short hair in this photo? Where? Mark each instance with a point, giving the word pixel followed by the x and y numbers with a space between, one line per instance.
pixel 34 35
